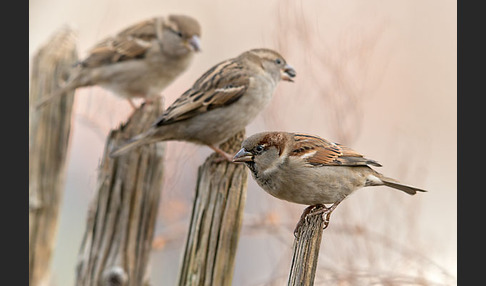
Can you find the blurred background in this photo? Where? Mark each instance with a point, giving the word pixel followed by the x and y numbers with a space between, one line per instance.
pixel 378 76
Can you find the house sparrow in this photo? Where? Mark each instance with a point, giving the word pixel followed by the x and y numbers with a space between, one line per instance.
pixel 220 103
pixel 139 61
pixel 310 170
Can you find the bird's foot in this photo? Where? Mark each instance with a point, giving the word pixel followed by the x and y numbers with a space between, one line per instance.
pixel 303 218
pixel 224 156
pixel 149 100
pixel 319 209
pixel 130 101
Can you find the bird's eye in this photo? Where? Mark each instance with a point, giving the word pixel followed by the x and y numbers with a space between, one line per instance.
pixel 278 61
pixel 178 33
pixel 259 148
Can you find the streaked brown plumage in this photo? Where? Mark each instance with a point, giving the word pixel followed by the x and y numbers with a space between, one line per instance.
pixel 220 103
pixel 139 61
pixel 310 170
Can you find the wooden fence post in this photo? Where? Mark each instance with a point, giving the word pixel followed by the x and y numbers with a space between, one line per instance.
pixel 216 220
pixel 49 129
pixel 306 250
pixel 120 226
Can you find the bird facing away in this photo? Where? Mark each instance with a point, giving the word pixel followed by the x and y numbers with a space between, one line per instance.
pixel 220 103
pixel 310 170
pixel 140 61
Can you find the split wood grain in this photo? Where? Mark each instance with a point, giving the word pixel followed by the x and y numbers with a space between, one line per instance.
pixel 49 133
pixel 216 219
pixel 120 227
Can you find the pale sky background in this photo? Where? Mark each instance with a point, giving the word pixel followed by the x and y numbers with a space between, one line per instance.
pixel 398 63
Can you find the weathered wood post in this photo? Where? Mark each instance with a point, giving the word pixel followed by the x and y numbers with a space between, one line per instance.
pixel 306 249
pixel 216 220
pixel 49 129
pixel 120 226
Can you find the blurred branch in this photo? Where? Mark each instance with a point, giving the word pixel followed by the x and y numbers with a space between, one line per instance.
pixel 367 242
pixel 420 270
pixel 49 130
pixel 337 70
pixel 120 227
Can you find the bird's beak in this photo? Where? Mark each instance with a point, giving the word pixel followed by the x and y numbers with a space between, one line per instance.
pixel 287 73
pixel 243 156
pixel 195 43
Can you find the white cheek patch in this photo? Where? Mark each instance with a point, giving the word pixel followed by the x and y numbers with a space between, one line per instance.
pixel 274 167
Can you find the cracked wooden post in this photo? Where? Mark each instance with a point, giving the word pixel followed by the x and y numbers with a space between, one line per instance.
pixel 216 220
pixel 306 250
pixel 120 227
pixel 49 130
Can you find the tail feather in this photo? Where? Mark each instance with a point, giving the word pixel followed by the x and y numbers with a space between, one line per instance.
pixel 73 83
pixel 132 143
pixel 399 186
pixel 48 99
pixel 125 147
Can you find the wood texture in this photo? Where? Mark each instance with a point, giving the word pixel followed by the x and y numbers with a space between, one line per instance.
pixel 49 130
pixel 120 226
pixel 216 219
pixel 306 250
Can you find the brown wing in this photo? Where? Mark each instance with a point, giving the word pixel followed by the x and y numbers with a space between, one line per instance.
pixel 133 42
pixel 318 152
pixel 220 86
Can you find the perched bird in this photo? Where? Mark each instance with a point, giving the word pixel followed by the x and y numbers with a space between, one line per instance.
pixel 220 103
pixel 310 170
pixel 139 61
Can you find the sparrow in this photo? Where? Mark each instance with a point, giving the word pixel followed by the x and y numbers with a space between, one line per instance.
pixel 220 103
pixel 139 61
pixel 307 169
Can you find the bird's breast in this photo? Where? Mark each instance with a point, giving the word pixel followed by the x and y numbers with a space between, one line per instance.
pixel 310 185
